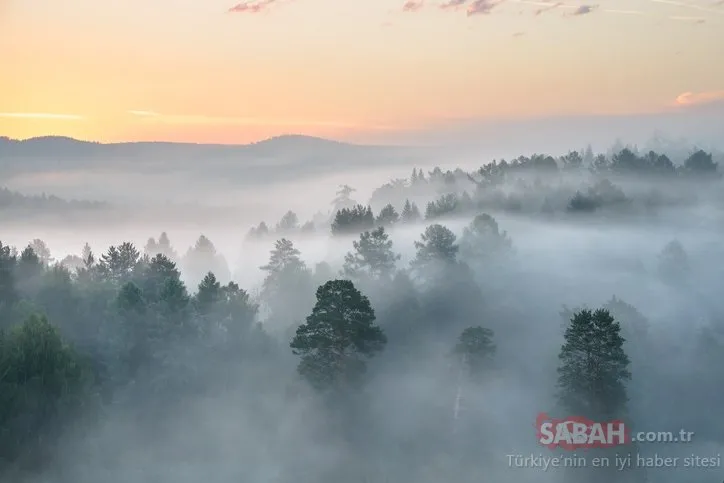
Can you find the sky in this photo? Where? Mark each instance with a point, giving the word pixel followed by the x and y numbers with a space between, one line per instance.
pixel 215 71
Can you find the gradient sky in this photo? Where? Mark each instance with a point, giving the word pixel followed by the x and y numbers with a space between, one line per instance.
pixel 193 70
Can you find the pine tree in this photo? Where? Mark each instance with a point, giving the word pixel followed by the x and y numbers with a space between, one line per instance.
pixel 208 294
pixel 287 286
pixel 372 257
pixel 289 223
pixel 8 289
pixel 437 245
pixel 483 240
pixel 594 370
pixel 475 345
pixel 337 338
pixel 352 221
pixel 410 212
pixel 388 216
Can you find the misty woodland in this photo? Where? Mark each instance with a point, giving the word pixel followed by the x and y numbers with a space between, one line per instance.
pixel 420 350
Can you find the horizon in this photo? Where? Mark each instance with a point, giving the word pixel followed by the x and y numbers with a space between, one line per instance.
pixel 688 124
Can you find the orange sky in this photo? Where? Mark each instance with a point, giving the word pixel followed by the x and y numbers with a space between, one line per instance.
pixel 190 70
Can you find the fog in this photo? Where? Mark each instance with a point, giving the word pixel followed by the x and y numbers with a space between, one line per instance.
pixel 214 408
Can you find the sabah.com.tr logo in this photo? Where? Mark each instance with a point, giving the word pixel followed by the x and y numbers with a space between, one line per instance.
pixel 576 432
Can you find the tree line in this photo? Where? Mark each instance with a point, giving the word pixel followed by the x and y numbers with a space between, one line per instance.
pixel 575 183
pixel 124 330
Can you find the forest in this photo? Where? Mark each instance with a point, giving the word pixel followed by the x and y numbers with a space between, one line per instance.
pixel 420 349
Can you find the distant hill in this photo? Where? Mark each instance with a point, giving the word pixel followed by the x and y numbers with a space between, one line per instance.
pixel 65 146
pixel 303 153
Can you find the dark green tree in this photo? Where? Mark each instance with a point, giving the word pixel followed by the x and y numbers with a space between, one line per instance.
pixel 476 349
pixel 627 161
pixel 137 331
pixel 581 203
pixel 8 289
pixel 445 205
pixel 594 368
pixel 372 257
pixel 437 246
pixel 174 302
pixel 388 216
pixel 236 311
pixel 155 273
pixel 119 263
pixel 208 295
pixel 573 161
pixel 410 212
pixel 400 315
pixel 660 164
pixel 337 338
pixel 353 220
pixel 43 385
pixel 701 164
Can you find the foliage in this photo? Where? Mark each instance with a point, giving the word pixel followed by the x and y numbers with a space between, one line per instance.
pixel 125 324
pixel 594 370
pixel 372 258
pixel 475 345
pixel 353 220
pixel 410 212
pixel 337 337
pixel 437 245
pixel 483 240
pixel 445 205
pixel 388 216
pixel 42 380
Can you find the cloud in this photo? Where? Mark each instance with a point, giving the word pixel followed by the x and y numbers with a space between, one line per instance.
pixel 412 5
pixel 547 7
pixel 518 34
pixel 453 4
pixel 584 10
pixel 481 7
pixel 42 115
pixel 693 98
pixel 251 6
pixel 544 6
pixel 697 20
